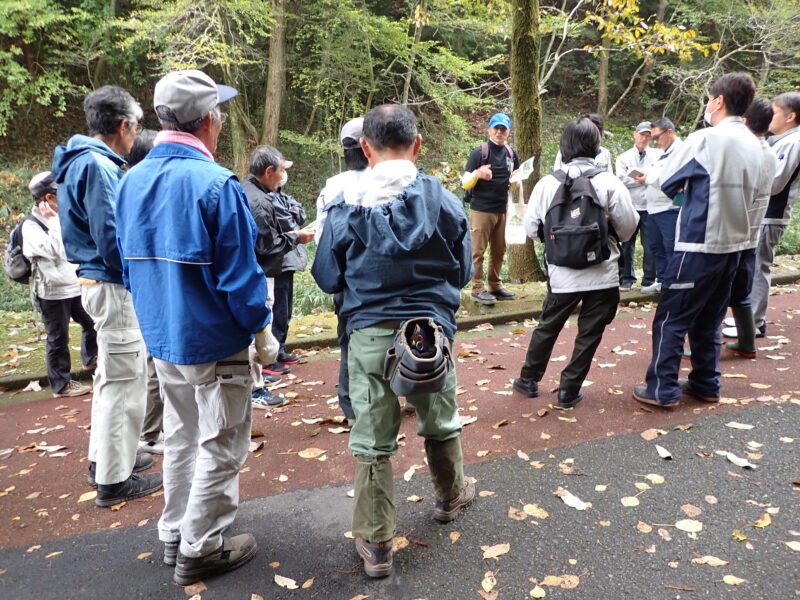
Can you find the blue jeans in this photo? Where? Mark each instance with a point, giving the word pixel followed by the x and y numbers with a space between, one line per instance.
pixel 661 234
pixel 627 274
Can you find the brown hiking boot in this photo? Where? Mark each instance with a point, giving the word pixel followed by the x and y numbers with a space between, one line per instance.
pixel 234 552
pixel 447 510
pixel 377 557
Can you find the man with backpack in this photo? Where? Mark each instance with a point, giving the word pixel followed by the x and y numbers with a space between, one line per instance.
pixel 486 180
pixel 581 213
pixel 55 288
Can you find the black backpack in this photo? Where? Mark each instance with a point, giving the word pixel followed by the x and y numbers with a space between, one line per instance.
pixel 18 268
pixel 576 228
pixel 484 160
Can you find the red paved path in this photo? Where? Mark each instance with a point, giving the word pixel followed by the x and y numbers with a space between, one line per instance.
pixel 43 503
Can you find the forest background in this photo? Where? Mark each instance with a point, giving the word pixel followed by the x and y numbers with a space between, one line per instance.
pixel 305 67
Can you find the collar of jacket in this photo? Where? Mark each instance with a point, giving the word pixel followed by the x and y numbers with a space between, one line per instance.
pixel 252 179
pixel 773 139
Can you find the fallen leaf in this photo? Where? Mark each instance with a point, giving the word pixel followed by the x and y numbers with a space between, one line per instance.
pixel 689 525
pixel 643 527
pixel 310 453
pixel 544 436
pixel 534 510
pixel 360 597
pixel 542 412
pixel 522 455
pixel 663 452
pixel 738 535
pixel 764 521
pixel 654 478
pixel 642 486
pixel 569 582
pixel 283 478
pixel 552 581
pixel 33 386
pixel 481 453
pixel 736 425
pixel 711 499
pixel 516 514
pixel 399 542
pixel 651 434
pixel 735 375
pixel 88 496
pixel 690 510
pixel 274 564
pixel 256 597
pixel 731 580
pixel 760 386
pixel 414 498
pixel 118 506
pixel 489 581
pixel 144 555
pixel 568 419
pixel 500 424
pixel 793 545
pixel 495 551
pixel 570 499
pixel 285 582
pixel 33 548
pixel 454 535
pixel 739 462
pixel 53 554
pixel 630 501
pixel 711 561
pixel 411 470
pixel 537 592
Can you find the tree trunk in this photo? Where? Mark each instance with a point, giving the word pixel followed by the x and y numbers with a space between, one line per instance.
pixel 602 77
pixel 650 62
pixel 523 264
pixel 417 37
pixel 100 67
pixel 237 125
pixel 276 77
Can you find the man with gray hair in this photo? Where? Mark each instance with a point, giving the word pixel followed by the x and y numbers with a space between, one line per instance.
pixel 187 237
pixel 280 247
pixel 88 170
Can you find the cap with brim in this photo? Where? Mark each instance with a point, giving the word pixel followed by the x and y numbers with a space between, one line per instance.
pixel 41 184
pixel 644 126
pixel 189 95
pixel 500 119
pixel 351 133
pixel 287 164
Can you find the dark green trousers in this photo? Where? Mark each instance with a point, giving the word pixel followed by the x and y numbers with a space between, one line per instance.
pixel 598 308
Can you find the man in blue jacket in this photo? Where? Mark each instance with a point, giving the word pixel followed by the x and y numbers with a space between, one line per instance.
pixel 88 171
pixel 187 241
pixel 398 247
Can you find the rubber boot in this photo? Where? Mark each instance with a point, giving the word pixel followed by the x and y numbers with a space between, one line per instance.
pixel 745 344
pixel 373 507
pixel 446 463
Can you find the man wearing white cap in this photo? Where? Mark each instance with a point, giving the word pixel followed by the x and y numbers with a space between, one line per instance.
pixel 187 237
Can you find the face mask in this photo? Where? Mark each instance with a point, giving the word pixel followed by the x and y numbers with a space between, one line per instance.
pixel 284 179
pixel 707 115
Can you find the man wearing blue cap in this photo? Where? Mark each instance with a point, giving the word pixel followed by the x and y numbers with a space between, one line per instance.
pixel 486 178
pixel 187 240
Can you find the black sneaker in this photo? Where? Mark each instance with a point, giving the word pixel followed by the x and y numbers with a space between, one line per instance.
pixel 761 331
pixel 234 552
pixel 483 297
pixel 276 369
pixel 288 358
pixel 447 510
pixel 144 460
pixel 171 553
pixel 377 557
pixel 526 387
pixel 134 486
pixel 568 400
pixel 503 294
pixel 271 379
pixel 687 388
pixel 641 394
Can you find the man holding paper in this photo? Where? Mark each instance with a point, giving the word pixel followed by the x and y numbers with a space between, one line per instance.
pixel 486 178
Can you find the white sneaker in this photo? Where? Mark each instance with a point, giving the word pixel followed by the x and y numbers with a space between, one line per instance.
pixel 730 332
pixel 156 447
pixel 73 388
pixel 653 287
pixel 729 322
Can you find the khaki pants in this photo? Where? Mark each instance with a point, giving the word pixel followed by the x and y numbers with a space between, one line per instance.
pixel 207 418
pixel 120 381
pixel 487 229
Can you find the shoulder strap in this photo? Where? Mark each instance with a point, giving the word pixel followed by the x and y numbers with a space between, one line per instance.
pixel 592 172
pixel 510 151
pixel 560 175
pixel 484 152
pixel 35 220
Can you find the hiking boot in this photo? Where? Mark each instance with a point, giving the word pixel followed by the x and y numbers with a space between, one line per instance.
pixel 687 388
pixel 144 460
pixel 134 486
pixel 234 552
pixel 262 399
pixel 72 389
pixel 526 387
pixel 641 394
pixel 483 297
pixel 567 400
pixel 276 369
pixel 377 557
pixel 288 358
pixel 171 553
pixel 503 294
pixel 447 510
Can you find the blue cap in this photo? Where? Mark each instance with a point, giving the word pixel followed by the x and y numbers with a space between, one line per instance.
pixel 500 119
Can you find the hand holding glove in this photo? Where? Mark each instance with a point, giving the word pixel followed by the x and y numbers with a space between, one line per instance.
pixel 267 347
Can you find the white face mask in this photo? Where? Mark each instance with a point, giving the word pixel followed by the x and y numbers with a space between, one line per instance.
pixel 284 179
pixel 707 114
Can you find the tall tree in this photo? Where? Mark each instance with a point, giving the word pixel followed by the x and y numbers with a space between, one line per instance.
pixel 276 76
pixel 523 264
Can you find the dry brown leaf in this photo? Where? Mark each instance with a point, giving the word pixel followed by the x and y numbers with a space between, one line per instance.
pixel 33 548
pixel 654 478
pixel 411 470
pixel 489 581
pixel 764 521
pixel 142 523
pixel 690 510
pixel 485 493
pixel 534 510
pixel 360 597
pixel 689 525
pixel 737 425
pixel 711 499
pixel 711 561
pixel 399 542
pixel 414 498
pixel 118 506
pixel 738 535
pixel 488 595
pixel 144 555
pixel 256 597
pixel 551 581
pixel 630 501
pixel 275 564
pixel 537 592
pixel 53 554
pixel 522 455
pixel 651 434
pixel 481 453
pixel 644 527
pixel 285 582
pixel 542 412
pixel 600 488
pixel 732 580
pixel 516 514
pixel 793 545
pixel 454 535
pixel 760 386
pixel 545 436
pixel 500 424
pixel 311 453
pixel 88 496
pixel 495 551
pixel 569 582
pixel 604 523
pixel 570 499
pixel 665 535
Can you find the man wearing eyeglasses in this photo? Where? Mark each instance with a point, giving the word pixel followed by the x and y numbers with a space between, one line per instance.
pixel 662 211
pixel 88 170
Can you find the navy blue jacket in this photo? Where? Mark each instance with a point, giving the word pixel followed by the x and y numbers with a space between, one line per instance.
pixel 403 259
pixel 87 172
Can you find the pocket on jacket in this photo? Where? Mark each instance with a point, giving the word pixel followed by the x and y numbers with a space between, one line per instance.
pixel 233 400
pixel 124 356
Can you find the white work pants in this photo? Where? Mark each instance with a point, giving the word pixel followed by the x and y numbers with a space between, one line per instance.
pixel 207 418
pixel 120 381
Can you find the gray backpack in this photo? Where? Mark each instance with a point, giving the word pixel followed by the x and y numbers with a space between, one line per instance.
pixel 18 268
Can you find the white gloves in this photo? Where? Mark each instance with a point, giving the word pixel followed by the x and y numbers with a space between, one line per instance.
pixel 267 347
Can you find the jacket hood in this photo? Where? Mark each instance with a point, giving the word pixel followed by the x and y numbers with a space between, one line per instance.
pixel 79 145
pixel 406 223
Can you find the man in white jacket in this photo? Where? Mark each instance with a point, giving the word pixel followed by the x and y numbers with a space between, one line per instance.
pixel 719 169
pixel 55 287
pixel 596 288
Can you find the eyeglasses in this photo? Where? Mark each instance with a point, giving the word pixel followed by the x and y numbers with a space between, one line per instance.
pixel 654 136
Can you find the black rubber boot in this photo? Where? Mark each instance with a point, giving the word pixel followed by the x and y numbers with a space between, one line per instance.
pixel 745 344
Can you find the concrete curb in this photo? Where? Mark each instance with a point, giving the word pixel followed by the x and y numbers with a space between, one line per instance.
pixel 492 315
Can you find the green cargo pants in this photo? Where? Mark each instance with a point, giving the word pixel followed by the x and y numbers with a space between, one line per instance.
pixel 373 438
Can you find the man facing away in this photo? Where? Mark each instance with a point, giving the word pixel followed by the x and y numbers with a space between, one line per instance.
pixel 88 170
pixel 486 174
pixel 636 159
pixel 719 169
pixel 397 248
pixel 187 238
